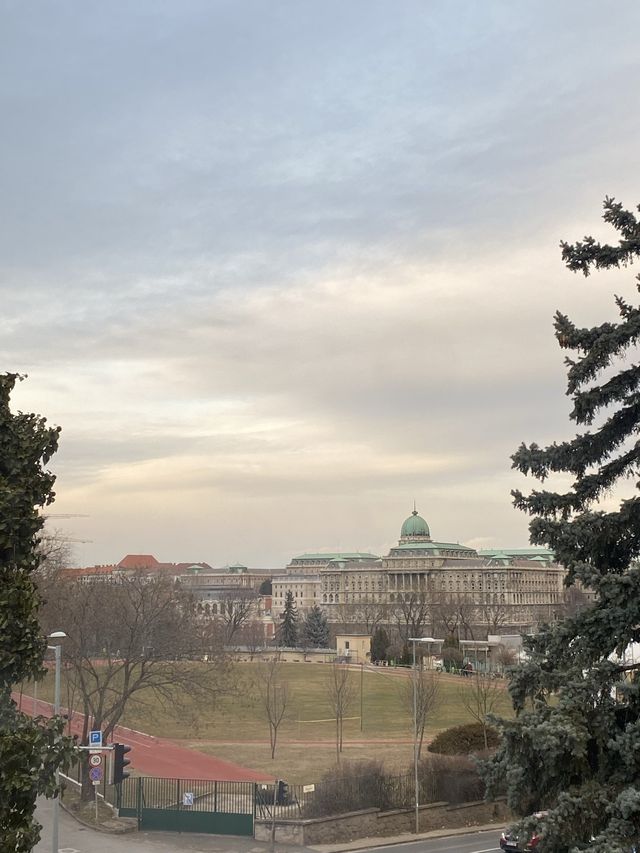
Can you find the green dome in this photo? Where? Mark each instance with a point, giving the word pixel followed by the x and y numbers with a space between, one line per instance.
pixel 415 525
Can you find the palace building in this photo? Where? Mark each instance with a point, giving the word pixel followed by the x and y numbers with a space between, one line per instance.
pixel 506 589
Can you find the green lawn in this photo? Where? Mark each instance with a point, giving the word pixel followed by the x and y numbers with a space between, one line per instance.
pixel 236 729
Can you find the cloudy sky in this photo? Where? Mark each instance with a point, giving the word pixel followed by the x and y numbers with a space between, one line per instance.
pixel 280 268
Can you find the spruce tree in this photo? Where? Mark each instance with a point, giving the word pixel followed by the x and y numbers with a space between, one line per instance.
pixel 379 644
pixel 289 627
pixel 315 629
pixel 574 745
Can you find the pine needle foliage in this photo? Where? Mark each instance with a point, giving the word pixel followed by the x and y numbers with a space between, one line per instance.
pixel 289 626
pixel 574 746
pixel 315 629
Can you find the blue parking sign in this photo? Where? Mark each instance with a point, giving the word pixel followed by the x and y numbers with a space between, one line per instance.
pixel 95 738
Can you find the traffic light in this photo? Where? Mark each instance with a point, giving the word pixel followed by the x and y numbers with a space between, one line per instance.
pixel 120 762
pixel 282 795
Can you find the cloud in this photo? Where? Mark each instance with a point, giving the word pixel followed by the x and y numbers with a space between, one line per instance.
pixel 301 265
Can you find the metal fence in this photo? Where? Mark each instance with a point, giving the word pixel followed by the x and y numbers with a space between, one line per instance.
pixel 335 796
pixel 188 805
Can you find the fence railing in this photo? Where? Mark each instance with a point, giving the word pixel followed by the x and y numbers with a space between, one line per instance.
pixel 335 796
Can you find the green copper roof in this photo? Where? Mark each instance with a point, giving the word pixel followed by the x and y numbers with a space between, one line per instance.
pixel 526 553
pixel 415 525
pixel 342 555
pixel 435 547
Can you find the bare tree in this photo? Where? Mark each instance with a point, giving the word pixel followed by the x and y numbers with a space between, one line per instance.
pixel 494 614
pixel 479 694
pixel 55 551
pixel 457 612
pixel 413 612
pixel 365 615
pixel 133 641
pixel 274 696
pixel 341 693
pixel 427 686
pixel 505 656
pixel 251 635
pixel 235 609
pixel 446 614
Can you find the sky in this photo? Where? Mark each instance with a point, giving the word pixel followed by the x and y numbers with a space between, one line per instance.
pixel 280 269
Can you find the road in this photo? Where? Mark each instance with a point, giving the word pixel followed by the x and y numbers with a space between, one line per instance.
pixel 472 842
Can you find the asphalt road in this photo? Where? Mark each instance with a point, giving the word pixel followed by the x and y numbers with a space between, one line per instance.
pixel 472 842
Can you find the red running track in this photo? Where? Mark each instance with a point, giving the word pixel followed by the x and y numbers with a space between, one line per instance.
pixel 154 756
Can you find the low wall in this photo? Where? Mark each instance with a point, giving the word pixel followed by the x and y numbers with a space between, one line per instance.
pixel 371 823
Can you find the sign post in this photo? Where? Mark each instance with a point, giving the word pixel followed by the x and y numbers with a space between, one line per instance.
pixel 95 774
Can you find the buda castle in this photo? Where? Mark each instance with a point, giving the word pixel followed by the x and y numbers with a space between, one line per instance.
pixel 436 583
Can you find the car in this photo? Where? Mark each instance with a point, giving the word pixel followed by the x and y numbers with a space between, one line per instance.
pixel 510 843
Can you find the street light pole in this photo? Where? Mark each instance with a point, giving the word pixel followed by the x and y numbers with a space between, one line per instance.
pixel 57 649
pixel 415 736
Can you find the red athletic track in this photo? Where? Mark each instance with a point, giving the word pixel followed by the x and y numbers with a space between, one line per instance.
pixel 153 756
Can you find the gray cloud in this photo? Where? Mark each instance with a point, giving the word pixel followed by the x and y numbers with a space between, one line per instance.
pixel 301 262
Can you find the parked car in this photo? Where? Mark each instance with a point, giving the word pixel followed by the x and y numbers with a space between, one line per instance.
pixel 510 842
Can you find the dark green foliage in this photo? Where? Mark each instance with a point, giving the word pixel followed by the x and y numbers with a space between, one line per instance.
pixel 315 629
pixel 380 642
pixel 29 752
pixel 452 657
pixel 575 743
pixel 265 587
pixel 462 740
pixel 289 627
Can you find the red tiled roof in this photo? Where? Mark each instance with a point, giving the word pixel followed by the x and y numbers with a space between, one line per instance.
pixel 138 561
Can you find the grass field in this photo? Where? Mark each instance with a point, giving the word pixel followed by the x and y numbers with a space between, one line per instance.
pixel 236 730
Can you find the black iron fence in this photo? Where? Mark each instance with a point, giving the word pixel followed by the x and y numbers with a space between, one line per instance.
pixel 335 796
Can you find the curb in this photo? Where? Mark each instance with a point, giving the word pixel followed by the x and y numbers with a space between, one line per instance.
pixel 390 841
pixel 120 829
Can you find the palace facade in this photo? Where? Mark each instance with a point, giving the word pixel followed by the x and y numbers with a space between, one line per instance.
pixel 437 584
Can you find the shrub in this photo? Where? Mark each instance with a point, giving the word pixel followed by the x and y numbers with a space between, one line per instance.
pixel 355 786
pixel 449 778
pixel 461 740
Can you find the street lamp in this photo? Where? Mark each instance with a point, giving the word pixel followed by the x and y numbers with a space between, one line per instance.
pixel 427 641
pixel 56 635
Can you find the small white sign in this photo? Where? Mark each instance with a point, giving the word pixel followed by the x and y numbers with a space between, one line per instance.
pixel 187 799
pixel 307 789
pixel 95 760
pixel 95 738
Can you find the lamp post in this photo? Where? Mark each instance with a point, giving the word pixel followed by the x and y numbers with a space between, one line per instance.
pixel 57 649
pixel 413 641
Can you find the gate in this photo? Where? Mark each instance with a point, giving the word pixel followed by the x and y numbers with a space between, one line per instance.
pixel 183 805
